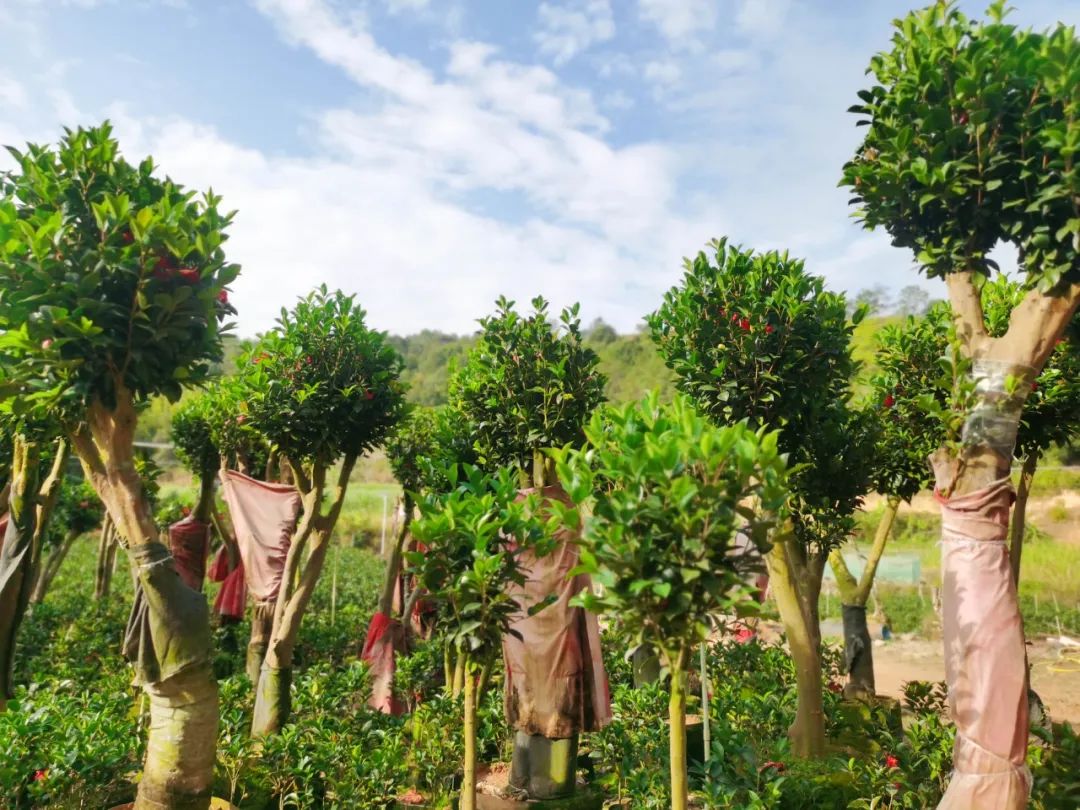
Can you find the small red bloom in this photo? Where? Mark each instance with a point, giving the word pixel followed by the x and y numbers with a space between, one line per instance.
pixel 744 324
pixel 241 419
pixel 769 329
pixel 1034 386
pixel 46 344
pixel 777 766
pixel 127 237
pixel 889 401
pixel 744 634
pixel 835 688
pixel 223 296
pixel 891 761
pixel 165 263
pixel 310 361
pixel 189 274
pixel 369 394
pixel 962 118
pixel 41 774
pixel 734 317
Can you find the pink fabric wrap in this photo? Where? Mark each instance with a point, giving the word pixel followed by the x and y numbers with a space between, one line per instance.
pixel 556 684
pixel 189 541
pixel 383 640
pixel 264 516
pixel 985 664
pixel 232 596
pixel 3 528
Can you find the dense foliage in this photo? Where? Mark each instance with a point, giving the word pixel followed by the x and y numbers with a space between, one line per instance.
pixel 971 130
pixel 192 437
pixel 527 386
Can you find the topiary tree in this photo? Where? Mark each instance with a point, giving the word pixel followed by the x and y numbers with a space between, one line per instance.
pixel 476 534
pixel 969 142
pixel 667 491
pixel 526 387
pixel 112 291
pixel 755 337
pixel 908 369
pixel 322 388
pixel 192 436
pixel 78 510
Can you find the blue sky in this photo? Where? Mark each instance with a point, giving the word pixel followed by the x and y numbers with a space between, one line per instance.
pixel 429 155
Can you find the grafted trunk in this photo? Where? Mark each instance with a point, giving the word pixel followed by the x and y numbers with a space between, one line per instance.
pixel 393 565
pixel 1019 515
pixel 796 583
pixel 299 578
pixel 262 624
pixel 858 648
pixel 468 782
pixel 106 560
pixel 168 638
pixel 48 571
pixel 16 557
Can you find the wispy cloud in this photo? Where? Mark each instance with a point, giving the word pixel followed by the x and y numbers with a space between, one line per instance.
pixel 566 29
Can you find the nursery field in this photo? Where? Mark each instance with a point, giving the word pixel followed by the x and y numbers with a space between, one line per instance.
pixel 72 737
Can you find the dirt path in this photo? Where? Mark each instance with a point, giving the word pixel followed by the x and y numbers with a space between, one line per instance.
pixel 1055 672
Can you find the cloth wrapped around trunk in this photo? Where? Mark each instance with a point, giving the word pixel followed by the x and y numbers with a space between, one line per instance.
pixel 189 540
pixel 232 595
pixel 3 529
pixel 383 641
pixel 168 629
pixel 16 579
pixel 264 516
pixel 984 662
pixel 556 684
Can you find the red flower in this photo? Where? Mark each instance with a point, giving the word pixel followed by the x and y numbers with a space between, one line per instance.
pixel 962 118
pixel 127 237
pixel 310 361
pixel 734 317
pixel 835 688
pixel 889 401
pixel 744 324
pixel 369 394
pixel 778 766
pixel 189 274
pixel 223 296
pixel 241 419
pixel 41 774
pixel 891 761
pixel 46 344
pixel 744 634
pixel 769 329
pixel 165 263
pixel 1034 386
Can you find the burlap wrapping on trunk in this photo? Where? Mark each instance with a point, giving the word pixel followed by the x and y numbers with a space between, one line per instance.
pixel 983 633
pixel 556 684
pixel 264 516
pixel 168 629
pixel 189 540
pixel 384 639
pixel 232 595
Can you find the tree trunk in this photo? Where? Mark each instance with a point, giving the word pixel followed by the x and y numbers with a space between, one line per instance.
pixel 105 557
pixel 204 508
pixel 262 625
pixel 298 581
pixel 1019 515
pixel 468 782
pixel 47 572
pixel 858 647
pixel 168 638
pixel 677 734
pixel 16 557
pixel 796 583
pixel 393 565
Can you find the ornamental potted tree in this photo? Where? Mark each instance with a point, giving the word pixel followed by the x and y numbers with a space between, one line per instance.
pixel 476 534
pixel 907 362
pixel 323 389
pixel 755 337
pixel 969 136
pixel 112 291
pixel 193 440
pixel 528 386
pixel 667 491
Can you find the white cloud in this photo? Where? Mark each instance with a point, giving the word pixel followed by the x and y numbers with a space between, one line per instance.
pixel 662 72
pixel 399 6
pixel 761 18
pixel 570 28
pixel 12 93
pixel 677 19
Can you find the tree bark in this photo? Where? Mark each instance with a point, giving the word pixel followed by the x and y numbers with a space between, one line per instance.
pixel 796 583
pixel 468 782
pixel 1019 515
pixel 393 565
pixel 16 557
pixel 858 647
pixel 168 638
pixel 262 625
pixel 677 733
pixel 105 558
pixel 299 578
pixel 47 572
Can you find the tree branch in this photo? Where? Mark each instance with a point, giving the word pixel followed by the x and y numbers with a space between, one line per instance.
pixel 967 311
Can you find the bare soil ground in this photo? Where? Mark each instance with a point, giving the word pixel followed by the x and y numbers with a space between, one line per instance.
pixel 1055 672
